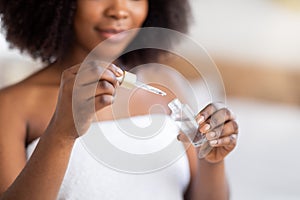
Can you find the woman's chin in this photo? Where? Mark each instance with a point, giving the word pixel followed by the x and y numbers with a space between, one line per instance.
pixel 107 52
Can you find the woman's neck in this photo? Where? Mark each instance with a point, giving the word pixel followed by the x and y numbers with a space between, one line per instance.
pixel 70 59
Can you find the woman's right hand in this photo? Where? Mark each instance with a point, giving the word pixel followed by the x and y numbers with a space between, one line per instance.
pixel 83 91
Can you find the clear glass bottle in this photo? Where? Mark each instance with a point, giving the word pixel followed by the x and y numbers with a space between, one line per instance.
pixel 184 117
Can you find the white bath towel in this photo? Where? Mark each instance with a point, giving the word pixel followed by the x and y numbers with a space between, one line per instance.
pixel 133 158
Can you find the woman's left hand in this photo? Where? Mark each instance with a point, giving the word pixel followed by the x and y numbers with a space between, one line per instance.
pixel 220 128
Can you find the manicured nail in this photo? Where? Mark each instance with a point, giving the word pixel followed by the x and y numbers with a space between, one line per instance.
pixel 200 119
pixel 233 136
pixel 212 134
pixel 213 142
pixel 119 71
pixel 205 128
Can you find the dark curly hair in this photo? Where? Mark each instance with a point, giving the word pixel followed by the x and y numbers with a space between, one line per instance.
pixel 44 29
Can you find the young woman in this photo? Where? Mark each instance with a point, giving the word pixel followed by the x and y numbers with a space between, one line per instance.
pixel 39 108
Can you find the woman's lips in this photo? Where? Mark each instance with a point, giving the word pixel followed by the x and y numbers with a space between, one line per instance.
pixel 112 35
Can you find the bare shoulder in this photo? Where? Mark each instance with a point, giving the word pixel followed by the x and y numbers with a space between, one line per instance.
pixel 15 99
pixel 26 104
pixel 16 102
pixel 14 105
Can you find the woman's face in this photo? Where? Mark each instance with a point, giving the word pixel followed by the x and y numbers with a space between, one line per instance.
pixel 99 20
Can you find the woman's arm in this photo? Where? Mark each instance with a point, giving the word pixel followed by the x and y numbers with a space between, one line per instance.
pixel 208 178
pixel 210 182
pixel 43 173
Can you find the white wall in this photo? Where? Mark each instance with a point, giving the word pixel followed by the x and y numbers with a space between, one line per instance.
pixel 261 30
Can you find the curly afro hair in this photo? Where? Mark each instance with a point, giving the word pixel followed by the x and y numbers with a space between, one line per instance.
pixel 44 29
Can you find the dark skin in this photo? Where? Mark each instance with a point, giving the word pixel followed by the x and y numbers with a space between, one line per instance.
pixel 41 107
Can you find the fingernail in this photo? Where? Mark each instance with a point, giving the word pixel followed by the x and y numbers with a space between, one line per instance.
pixel 178 137
pixel 213 142
pixel 212 134
pixel 119 71
pixel 234 136
pixel 205 128
pixel 200 119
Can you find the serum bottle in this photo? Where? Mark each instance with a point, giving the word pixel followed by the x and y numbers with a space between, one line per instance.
pixel 185 120
pixel 180 113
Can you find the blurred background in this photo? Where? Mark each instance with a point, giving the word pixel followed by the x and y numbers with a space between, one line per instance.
pixel 255 45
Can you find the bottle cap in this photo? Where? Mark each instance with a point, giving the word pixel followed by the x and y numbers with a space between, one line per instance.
pixel 127 80
pixel 175 105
